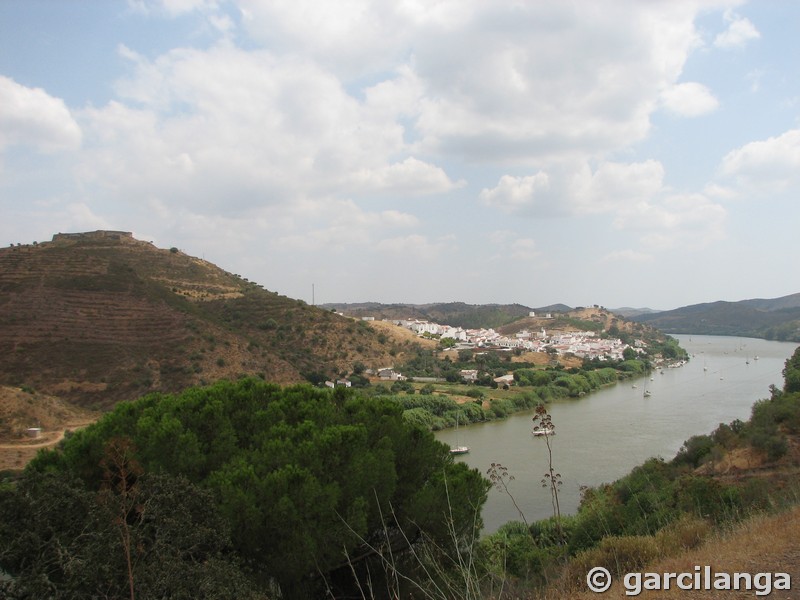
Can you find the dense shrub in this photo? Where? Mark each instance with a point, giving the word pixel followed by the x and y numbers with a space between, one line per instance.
pixel 301 476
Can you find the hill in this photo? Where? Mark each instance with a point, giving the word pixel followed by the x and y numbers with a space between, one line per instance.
pixel 777 319
pixel 456 314
pixel 94 318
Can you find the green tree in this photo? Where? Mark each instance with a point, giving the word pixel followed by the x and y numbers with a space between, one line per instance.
pixel 303 477
pixel 61 540
pixel 447 342
pixel 791 373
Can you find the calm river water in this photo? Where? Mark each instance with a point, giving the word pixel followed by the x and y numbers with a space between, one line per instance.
pixel 603 435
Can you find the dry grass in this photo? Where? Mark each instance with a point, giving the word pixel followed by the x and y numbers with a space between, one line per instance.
pixel 762 544
pixel 401 334
pixel 20 410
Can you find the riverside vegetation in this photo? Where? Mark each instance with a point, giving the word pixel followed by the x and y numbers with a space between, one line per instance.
pixel 249 490
pixel 441 405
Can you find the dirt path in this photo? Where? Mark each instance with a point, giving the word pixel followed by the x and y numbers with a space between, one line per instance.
pixel 43 443
pixel 15 454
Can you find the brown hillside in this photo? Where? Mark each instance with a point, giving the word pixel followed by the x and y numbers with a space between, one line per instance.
pixel 99 317
pixel 578 319
pixel 20 410
pixel 762 544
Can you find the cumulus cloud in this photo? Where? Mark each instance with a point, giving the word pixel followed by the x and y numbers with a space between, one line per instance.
pixel 632 194
pixel 488 83
pixel 689 99
pixel 539 81
pixel 574 188
pixel 235 127
pixel 288 127
pixel 614 186
pixel 765 166
pixel 411 176
pixel 517 194
pixel 690 221
pixel 33 117
pixel 498 82
pixel 740 31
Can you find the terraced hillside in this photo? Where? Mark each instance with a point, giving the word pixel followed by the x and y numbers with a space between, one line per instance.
pixel 99 317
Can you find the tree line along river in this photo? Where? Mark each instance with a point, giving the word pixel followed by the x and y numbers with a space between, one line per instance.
pixel 602 436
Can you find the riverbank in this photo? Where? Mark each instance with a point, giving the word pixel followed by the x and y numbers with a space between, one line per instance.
pixel 610 431
pixel 441 405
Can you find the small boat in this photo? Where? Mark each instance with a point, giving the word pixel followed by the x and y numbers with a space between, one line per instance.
pixel 543 432
pixel 647 394
pixel 459 449
pixel 755 357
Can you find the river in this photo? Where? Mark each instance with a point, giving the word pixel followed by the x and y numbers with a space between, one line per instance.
pixel 602 436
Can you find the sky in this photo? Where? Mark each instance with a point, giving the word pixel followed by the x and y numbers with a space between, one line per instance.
pixel 637 153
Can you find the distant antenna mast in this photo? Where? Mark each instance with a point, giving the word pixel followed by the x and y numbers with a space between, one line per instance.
pixel 312 295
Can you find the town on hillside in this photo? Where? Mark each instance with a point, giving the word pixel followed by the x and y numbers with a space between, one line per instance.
pixel 588 345
pixel 583 344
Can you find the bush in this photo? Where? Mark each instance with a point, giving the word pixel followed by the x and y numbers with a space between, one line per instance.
pixel 419 417
pixel 694 450
pixel 619 555
pixel 511 550
pixel 684 534
pixel 501 408
pixel 707 497
pixel 773 444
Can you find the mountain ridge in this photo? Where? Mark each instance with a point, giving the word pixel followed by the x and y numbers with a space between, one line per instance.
pixel 769 318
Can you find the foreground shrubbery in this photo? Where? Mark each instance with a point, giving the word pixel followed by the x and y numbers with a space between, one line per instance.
pixel 301 488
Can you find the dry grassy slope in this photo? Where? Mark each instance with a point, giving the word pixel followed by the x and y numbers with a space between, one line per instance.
pixel 98 320
pixel 20 410
pixel 762 544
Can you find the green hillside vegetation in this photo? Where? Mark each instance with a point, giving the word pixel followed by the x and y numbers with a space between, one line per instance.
pixel 776 319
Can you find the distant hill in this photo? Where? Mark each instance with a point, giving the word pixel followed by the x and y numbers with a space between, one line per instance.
pixel 629 312
pixel 457 314
pixel 772 319
pixel 98 317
